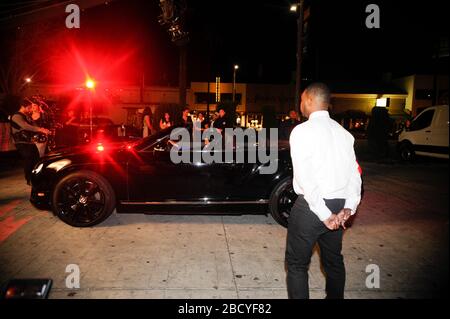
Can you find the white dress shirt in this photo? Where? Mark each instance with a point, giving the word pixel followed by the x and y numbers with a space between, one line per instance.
pixel 324 163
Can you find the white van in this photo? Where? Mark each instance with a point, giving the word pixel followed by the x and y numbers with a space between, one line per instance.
pixel 427 134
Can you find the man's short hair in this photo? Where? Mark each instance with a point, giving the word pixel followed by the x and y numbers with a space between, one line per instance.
pixel 320 91
pixel 25 102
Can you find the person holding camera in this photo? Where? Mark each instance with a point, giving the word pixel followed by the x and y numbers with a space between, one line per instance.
pixel 24 135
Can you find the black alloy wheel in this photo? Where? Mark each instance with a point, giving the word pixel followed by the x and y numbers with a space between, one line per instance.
pixel 281 201
pixel 83 199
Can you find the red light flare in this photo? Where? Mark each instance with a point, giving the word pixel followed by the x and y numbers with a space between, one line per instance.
pixel 108 65
pixel 132 151
pixel 76 67
pixel 101 150
pixel 90 84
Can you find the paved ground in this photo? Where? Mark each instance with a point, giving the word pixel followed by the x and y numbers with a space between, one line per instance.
pixel 402 226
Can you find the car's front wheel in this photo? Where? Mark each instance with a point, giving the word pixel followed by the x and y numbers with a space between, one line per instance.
pixel 83 199
pixel 281 201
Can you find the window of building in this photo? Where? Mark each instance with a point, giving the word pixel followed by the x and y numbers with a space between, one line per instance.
pixel 229 97
pixel 202 98
pixel 422 121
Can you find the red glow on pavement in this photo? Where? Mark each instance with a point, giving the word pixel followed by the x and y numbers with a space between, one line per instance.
pixel 5 209
pixel 10 225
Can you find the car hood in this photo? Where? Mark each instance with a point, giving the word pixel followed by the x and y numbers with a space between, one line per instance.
pixel 86 150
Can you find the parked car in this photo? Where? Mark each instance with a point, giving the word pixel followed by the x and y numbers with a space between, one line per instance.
pixel 427 135
pixel 83 185
pixel 103 129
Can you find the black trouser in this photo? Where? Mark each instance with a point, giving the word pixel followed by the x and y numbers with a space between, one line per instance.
pixel 304 230
pixel 30 155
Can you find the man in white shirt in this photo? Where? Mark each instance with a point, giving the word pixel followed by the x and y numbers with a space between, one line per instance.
pixel 328 182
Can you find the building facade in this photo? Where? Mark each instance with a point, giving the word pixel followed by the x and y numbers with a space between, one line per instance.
pixel 405 96
pixel 422 90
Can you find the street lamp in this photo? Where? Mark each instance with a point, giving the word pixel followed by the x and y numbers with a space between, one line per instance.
pixel 90 85
pixel 298 8
pixel 236 67
pixel 28 80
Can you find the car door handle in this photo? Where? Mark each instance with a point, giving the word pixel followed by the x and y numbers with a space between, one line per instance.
pixel 427 131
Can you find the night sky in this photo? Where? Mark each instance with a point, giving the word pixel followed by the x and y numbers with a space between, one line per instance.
pixel 260 36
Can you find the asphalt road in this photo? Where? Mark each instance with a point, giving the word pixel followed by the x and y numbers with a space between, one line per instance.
pixel 401 227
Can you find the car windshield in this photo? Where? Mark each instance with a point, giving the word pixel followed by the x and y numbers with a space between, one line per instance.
pixel 148 141
pixel 151 139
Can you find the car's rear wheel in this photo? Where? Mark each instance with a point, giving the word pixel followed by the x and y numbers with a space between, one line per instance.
pixel 281 201
pixel 83 199
pixel 407 152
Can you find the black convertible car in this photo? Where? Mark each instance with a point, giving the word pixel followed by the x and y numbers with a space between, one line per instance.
pixel 83 185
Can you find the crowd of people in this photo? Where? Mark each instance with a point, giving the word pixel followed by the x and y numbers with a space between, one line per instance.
pixel 219 120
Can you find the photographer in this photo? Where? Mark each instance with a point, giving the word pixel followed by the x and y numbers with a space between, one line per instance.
pixel 23 132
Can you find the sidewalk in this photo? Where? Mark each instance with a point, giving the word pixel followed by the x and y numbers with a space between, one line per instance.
pixel 401 226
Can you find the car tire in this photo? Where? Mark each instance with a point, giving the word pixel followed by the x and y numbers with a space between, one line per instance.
pixel 83 199
pixel 407 153
pixel 281 201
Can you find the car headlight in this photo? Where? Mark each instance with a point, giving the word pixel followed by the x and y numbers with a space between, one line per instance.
pixel 38 169
pixel 59 164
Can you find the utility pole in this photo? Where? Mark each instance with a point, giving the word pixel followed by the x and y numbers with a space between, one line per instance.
pixel 209 80
pixel 172 17
pixel 435 72
pixel 182 76
pixel 142 88
pixel 235 68
pixel 298 75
